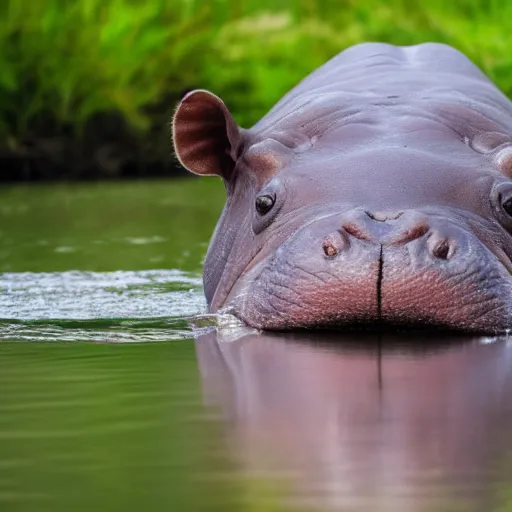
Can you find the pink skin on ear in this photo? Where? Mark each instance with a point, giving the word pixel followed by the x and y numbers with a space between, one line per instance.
pixel 207 140
pixel 206 137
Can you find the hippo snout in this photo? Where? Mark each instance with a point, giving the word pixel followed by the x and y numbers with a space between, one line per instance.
pixel 372 268
pixel 394 229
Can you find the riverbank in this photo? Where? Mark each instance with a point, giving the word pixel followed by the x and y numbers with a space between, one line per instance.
pixel 87 88
pixel 106 149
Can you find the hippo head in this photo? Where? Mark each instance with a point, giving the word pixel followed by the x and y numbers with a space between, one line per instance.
pixel 355 218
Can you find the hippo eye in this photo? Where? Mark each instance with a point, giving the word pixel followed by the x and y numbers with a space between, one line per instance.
pixel 501 200
pixel 507 206
pixel 268 204
pixel 264 204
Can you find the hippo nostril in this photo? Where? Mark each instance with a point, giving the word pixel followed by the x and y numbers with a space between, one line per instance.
pixel 329 249
pixel 441 248
pixel 333 244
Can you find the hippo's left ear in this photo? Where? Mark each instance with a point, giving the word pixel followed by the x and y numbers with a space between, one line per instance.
pixel 205 135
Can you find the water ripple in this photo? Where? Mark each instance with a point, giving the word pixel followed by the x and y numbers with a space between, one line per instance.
pixel 119 306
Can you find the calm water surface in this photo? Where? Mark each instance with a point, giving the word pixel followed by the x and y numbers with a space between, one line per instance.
pixel 108 400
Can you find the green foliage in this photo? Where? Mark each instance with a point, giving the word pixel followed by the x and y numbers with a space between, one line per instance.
pixel 75 59
pixel 62 62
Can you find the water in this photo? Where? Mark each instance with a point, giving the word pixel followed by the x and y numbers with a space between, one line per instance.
pixel 109 401
pixel 99 306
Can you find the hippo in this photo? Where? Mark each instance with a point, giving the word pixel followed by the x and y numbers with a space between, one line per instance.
pixel 376 193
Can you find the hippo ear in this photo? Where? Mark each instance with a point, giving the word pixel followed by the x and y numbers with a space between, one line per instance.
pixel 205 135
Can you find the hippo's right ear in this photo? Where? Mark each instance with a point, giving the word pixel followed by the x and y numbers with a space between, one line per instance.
pixel 206 137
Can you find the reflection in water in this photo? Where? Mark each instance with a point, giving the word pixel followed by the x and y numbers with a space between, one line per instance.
pixel 368 424
pixel 131 225
pixel 108 428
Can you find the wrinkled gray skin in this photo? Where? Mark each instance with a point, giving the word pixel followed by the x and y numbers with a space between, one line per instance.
pixel 390 167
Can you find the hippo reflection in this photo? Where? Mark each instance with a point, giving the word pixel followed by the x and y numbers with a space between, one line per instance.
pixel 364 426
pixel 377 190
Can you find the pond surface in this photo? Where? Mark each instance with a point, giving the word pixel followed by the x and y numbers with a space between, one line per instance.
pixel 109 401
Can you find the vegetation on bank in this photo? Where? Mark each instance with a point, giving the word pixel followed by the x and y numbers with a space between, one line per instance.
pixel 87 87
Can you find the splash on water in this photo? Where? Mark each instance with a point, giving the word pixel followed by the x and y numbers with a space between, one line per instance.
pixel 99 306
pixel 228 327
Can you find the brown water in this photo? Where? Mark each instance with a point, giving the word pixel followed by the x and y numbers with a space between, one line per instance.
pixel 110 400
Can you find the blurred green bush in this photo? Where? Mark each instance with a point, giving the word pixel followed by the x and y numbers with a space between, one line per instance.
pixel 85 71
